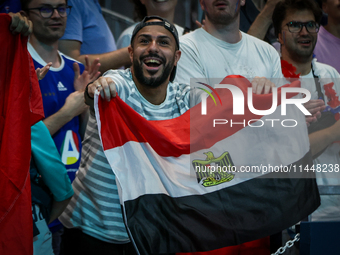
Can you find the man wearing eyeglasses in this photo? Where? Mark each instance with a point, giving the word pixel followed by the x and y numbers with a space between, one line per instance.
pixel 63 86
pixel 296 24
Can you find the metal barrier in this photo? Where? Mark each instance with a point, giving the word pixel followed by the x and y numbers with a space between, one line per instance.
pixel 329 189
pixel 187 11
pixel 117 22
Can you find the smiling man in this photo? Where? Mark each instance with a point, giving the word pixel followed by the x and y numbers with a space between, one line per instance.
pixel 94 213
pixel 152 68
pixel 296 24
pixel 297 33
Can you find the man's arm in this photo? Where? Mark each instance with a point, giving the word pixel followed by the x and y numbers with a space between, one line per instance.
pixel 57 208
pixel 262 22
pixel 51 168
pixel 74 106
pixel 109 60
pixel 321 139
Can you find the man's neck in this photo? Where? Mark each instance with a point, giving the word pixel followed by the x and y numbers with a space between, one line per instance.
pixel 302 67
pixel 155 96
pixel 48 52
pixel 228 33
pixel 333 27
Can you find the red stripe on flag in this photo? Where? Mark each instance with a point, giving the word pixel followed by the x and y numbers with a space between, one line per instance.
pixel 160 134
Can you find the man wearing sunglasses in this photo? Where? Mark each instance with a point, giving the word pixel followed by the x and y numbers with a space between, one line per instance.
pixel 296 24
pixel 63 86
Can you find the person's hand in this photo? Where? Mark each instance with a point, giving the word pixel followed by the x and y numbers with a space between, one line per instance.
pixel 105 85
pixel 20 24
pixel 90 74
pixel 74 104
pixel 199 24
pixel 92 69
pixel 315 107
pixel 41 72
pixel 262 85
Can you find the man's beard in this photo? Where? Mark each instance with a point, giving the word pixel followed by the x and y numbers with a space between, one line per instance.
pixel 301 55
pixel 48 38
pixel 152 82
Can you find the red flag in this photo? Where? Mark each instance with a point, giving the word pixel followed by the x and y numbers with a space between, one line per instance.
pixel 20 107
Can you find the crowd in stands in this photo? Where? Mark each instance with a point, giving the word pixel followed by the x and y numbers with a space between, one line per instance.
pixel 75 198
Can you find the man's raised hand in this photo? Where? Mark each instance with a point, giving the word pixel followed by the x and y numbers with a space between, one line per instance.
pixel 41 72
pixel 90 74
pixel 92 69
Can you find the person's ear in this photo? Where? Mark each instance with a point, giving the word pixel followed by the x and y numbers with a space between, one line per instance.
pixel 280 37
pixel 324 7
pixel 177 56
pixel 202 5
pixel 130 50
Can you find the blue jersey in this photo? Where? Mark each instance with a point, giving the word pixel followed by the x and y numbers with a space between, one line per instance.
pixel 55 88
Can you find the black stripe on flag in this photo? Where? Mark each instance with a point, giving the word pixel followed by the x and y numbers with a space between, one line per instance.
pixel 244 212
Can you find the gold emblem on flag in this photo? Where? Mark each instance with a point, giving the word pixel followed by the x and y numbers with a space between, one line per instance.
pixel 213 171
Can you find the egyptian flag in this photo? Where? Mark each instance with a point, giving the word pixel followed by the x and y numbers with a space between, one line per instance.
pixel 171 203
pixel 20 108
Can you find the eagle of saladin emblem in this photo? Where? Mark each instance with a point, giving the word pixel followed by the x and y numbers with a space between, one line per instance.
pixel 213 171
